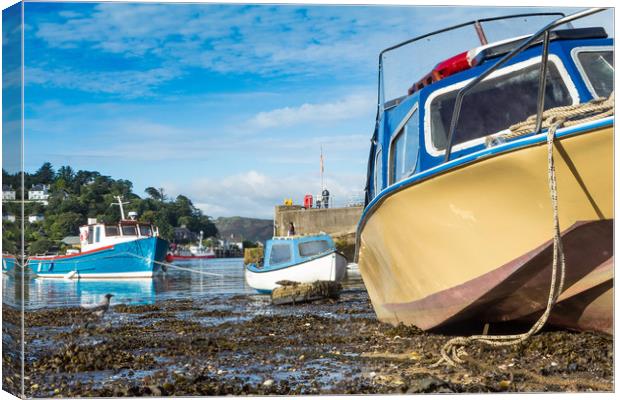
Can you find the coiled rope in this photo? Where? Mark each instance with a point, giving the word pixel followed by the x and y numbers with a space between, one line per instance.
pixel 453 351
pixel 572 115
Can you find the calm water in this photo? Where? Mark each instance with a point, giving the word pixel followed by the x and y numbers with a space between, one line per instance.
pixel 175 284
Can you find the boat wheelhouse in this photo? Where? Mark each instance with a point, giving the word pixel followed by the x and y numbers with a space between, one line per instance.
pixel 127 249
pixel 458 222
pixel 303 259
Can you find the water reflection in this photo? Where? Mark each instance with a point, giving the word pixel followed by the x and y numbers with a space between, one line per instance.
pixel 175 284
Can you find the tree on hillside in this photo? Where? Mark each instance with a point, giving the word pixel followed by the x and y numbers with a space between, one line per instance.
pixel 202 223
pixel 155 194
pixel 82 179
pixel 40 246
pixel 76 196
pixel 65 224
pixel 66 173
pixel 184 206
pixel 13 180
pixel 10 238
pixel 45 174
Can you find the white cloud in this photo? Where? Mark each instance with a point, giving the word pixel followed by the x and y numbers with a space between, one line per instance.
pixel 128 84
pixel 117 130
pixel 352 106
pixel 283 41
pixel 254 194
pixel 267 40
pixel 12 78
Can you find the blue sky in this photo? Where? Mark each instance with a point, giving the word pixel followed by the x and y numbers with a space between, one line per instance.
pixel 228 104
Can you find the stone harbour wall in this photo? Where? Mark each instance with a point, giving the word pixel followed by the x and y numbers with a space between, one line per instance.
pixel 334 221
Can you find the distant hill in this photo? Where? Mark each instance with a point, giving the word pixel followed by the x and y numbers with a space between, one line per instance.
pixel 242 228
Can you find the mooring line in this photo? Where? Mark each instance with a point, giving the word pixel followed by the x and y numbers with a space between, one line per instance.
pixel 453 349
pixel 168 265
pixel 188 269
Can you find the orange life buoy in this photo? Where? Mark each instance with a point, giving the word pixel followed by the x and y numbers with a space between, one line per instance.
pixel 83 235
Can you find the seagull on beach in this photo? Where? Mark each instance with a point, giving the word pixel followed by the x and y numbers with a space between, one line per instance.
pixel 100 308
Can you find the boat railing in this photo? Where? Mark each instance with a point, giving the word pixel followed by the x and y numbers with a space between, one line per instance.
pixel 540 104
pixel 477 24
pixel 381 103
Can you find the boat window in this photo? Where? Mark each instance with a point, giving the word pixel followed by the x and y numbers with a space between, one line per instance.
pixel 280 253
pixel 91 231
pixel 378 174
pixel 98 234
pixel 129 230
pixel 145 230
pixel 404 150
pixel 496 103
pixel 597 69
pixel 309 249
pixel 111 230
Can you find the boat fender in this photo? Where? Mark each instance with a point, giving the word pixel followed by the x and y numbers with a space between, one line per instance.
pixel 71 275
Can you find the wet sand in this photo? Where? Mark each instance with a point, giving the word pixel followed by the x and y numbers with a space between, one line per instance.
pixel 243 345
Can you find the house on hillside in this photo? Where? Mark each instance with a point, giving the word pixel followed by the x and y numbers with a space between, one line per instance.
pixel 35 218
pixel 39 193
pixel 8 217
pixel 229 244
pixel 8 194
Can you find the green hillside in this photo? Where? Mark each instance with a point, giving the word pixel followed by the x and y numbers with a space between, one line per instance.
pixel 242 228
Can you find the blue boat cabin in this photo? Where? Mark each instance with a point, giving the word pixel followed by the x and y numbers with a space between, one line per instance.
pixel 411 132
pixel 282 252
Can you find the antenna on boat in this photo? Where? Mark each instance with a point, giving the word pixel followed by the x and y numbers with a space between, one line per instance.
pixel 120 205
pixel 322 169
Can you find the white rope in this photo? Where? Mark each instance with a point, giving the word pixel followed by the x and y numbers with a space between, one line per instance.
pixel 165 264
pixel 188 269
pixel 453 350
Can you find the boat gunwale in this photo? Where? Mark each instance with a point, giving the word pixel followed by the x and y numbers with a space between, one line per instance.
pixel 99 249
pixel 64 256
pixel 469 159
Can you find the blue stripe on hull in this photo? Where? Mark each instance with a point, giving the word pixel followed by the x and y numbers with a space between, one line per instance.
pixel 128 259
pixel 8 263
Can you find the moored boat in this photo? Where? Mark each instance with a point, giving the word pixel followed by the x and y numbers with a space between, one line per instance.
pixel 303 259
pixel 198 252
pixel 459 222
pixel 8 263
pixel 128 249
pixel 189 255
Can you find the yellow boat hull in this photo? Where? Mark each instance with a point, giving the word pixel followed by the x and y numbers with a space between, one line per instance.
pixel 426 249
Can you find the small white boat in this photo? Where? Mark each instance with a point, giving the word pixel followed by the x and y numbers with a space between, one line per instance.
pixel 303 259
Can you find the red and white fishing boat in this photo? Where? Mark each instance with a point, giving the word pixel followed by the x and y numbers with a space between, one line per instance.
pixel 198 252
